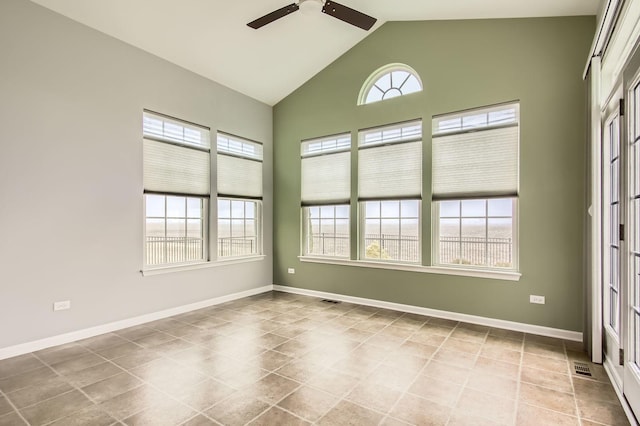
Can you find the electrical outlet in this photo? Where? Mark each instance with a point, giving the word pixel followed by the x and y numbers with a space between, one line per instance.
pixel 536 299
pixel 62 305
pixel 291 271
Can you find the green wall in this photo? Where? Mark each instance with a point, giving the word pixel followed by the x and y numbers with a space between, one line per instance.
pixel 462 64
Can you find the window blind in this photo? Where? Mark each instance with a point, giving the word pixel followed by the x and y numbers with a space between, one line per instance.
pixel 239 167
pixel 326 170
pixel 176 156
pixel 476 164
pixel 390 162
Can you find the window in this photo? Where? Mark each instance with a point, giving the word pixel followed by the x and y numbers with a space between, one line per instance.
pixel 237 227
pixel 475 187
pixel 476 232
pixel 389 192
pixel 326 230
pixel 325 195
pixel 177 188
pixel 388 82
pixel 392 230
pixel 239 196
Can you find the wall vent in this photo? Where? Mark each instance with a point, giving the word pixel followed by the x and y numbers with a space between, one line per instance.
pixel 582 369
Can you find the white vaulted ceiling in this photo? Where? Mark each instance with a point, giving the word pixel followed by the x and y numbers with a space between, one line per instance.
pixel 211 38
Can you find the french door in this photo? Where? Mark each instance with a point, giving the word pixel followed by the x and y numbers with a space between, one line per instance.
pixel 613 174
pixel 631 283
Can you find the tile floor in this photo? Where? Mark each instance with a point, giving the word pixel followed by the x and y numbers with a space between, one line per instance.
pixel 281 359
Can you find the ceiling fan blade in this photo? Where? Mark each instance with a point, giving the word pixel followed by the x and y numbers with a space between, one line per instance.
pixel 270 17
pixel 348 15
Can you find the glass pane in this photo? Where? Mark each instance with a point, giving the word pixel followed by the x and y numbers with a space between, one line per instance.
pixel 374 95
pixel 390 209
pixel 327 212
pixel 398 78
pixel 449 208
pixel 474 208
pixel 250 210
pixel 410 228
pixel 224 208
pixel 473 244
pixel 342 212
pixel 176 228
pixel 500 243
pixel 501 207
pixel 392 93
pixel 194 228
pixel 390 226
pixel 450 228
pixel 372 209
pixel 409 208
pixel 477 120
pixel 176 206
pixel 155 205
pixel 326 226
pixel 250 228
pixel 155 228
pixel 224 228
pixel 237 209
pixel 237 228
pixel 384 82
pixel 194 207
pixel 411 85
pixel 342 228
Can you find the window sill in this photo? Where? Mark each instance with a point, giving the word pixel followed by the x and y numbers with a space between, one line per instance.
pixel 202 265
pixel 463 272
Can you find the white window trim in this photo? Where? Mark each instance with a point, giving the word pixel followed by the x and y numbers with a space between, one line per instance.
pixel 201 265
pixel 386 69
pixel 435 240
pixel 462 272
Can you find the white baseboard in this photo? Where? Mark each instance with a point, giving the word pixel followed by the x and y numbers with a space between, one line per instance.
pixel 623 401
pixel 61 339
pixel 473 319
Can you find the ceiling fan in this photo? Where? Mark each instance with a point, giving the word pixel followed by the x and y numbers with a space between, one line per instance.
pixel 344 13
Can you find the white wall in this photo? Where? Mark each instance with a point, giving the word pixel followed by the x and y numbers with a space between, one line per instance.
pixel 71 225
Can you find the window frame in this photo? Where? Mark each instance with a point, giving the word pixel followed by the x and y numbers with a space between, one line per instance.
pixel 371 81
pixel 435 237
pixel 362 235
pixel 258 226
pixel 305 231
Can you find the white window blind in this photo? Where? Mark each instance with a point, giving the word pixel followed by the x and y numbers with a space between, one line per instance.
pixel 390 162
pixel 481 163
pixel 239 167
pixel 176 156
pixel 326 170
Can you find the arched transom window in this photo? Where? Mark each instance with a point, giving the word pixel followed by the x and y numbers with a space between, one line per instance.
pixel 389 82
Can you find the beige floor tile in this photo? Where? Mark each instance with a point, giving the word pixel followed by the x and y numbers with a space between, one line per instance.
pixel 238 409
pixel 556 352
pixel 392 377
pixel 309 403
pixel 102 341
pixel 334 382
pixel 548 379
pixel 504 342
pixel 167 413
pixel 205 394
pixel 498 368
pixel 26 379
pixel 469 335
pixel 92 416
pixel 62 353
pixel 93 374
pixel 200 420
pixel 346 413
pixel 300 370
pixel 19 365
pixel 419 411
pixel 118 351
pixel 379 398
pixel 545 363
pixel 462 345
pixel 111 387
pixel 126 404
pixel 499 354
pixel 273 388
pixel 490 407
pixel 440 391
pixel 547 398
pixel 455 358
pixel 272 360
pixel 56 408
pixel 5 407
pixel 529 415
pixel 12 419
pixel 607 413
pixel 493 384
pixel 461 418
pixel 39 392
pixel 591 390
pixel 77 364
pixel 447 372
pixel 277 416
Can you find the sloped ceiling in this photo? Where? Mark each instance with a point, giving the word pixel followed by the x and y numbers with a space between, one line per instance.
pixel 210 37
